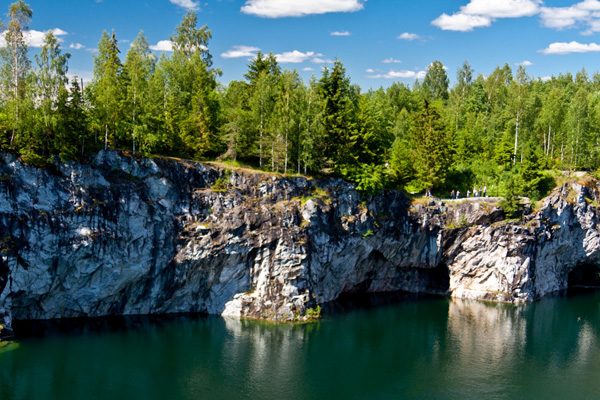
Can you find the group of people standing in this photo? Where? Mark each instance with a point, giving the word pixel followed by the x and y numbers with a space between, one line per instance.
pixel 477 192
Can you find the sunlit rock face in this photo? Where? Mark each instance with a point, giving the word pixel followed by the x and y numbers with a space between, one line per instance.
pixel 124 236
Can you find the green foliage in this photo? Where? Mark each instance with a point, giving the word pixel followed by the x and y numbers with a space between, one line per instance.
pixel 222 183
pixel 502 130
pixel 510 204
pixel 435 84
pixel 313 314
pixel 432 155
pixel 369 178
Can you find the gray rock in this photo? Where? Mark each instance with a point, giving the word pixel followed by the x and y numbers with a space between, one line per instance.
pixel 126 236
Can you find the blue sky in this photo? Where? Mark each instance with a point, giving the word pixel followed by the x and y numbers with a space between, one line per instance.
pixel 379 41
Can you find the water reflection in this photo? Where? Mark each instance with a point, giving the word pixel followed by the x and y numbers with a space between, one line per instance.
pixel 419 348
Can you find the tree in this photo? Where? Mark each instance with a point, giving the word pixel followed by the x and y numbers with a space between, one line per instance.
pixel 192 89
pixel 262 64
pixel 432 156
pixel 107 86
pixel 51 81
pixel 311 128
pixel 262 103
pixel 286 118
pixel 237 119
pixel 139 67
pixel 435 83
pixel 339 116
pixel 15 63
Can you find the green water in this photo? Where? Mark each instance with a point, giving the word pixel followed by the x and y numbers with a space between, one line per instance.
pixel 421 349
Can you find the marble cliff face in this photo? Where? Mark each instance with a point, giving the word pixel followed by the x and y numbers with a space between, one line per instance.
pixel 125 236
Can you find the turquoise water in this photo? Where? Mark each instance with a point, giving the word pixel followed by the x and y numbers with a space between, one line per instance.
pixel 417 349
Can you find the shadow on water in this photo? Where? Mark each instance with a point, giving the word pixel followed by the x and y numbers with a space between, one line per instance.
pixel 91 326
pixel 431 348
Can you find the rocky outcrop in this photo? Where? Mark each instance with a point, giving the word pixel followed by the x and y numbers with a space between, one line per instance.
pixel 152 236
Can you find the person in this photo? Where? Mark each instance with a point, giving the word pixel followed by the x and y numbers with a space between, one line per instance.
pixel 475 192
pixel 452 194
pixel 468 193
pixel 485 191
pixel 458 194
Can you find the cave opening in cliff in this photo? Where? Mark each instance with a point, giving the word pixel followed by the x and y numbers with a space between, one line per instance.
pixel 404 284
pixel 585 276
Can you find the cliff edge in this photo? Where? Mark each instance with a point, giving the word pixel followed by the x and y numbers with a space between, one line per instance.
pixel 125 236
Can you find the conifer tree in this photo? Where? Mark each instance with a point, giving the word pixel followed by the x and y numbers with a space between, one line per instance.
pixel 108 87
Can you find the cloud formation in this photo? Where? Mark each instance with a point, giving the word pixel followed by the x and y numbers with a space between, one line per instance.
pixel 398 74
pixel 298 8
pixel 340 33
pixel 241 51
pixel 35 38
pixel 559 48
pixel 296 57
pixel 525 63
pixel 162 45
pixel 391 61
pixel 76 46
pixel 585 13
pixel 189 5
pixel 408 36
pixel 481 13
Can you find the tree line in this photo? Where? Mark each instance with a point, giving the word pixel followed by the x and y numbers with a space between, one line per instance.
pixel 504 130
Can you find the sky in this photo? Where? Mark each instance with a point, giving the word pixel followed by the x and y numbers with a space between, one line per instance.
pixel 379 41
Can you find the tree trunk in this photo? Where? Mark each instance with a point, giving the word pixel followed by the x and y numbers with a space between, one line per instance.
pixel 260 142
pixel 516 140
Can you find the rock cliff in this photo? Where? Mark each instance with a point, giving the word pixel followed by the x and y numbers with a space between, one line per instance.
pixel 152 236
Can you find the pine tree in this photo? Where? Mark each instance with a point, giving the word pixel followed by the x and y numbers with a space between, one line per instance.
pixel 432 156
pixel 339 116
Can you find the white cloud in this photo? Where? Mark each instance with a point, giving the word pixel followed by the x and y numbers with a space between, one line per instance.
pixel 502 8
pixel 562 17
pixel 370 71
pixel 295 57
pixel 340 33
pixel 308 69
pixel 35 38
pixel 319 60
pixel 409 36
pixel 240 51
pixel 298 8
pixel 162 45
pixel 481 13
pixel 585 13
pixel 571 47
pixel 461 22
pixel 401 74
pixel 391 61
pixel 189 5
pixel 76 46
pixel 525 63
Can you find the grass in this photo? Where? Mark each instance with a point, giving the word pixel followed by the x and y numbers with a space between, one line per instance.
pixel 313 314
pixel 248 168
pixel 463 222
pixel 317 193
pixel 368 233
pixel 222 183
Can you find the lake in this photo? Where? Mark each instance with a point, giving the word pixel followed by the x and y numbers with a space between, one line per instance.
pixel 426 348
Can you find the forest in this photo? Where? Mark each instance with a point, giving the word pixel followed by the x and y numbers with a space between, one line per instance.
pixel 505 130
